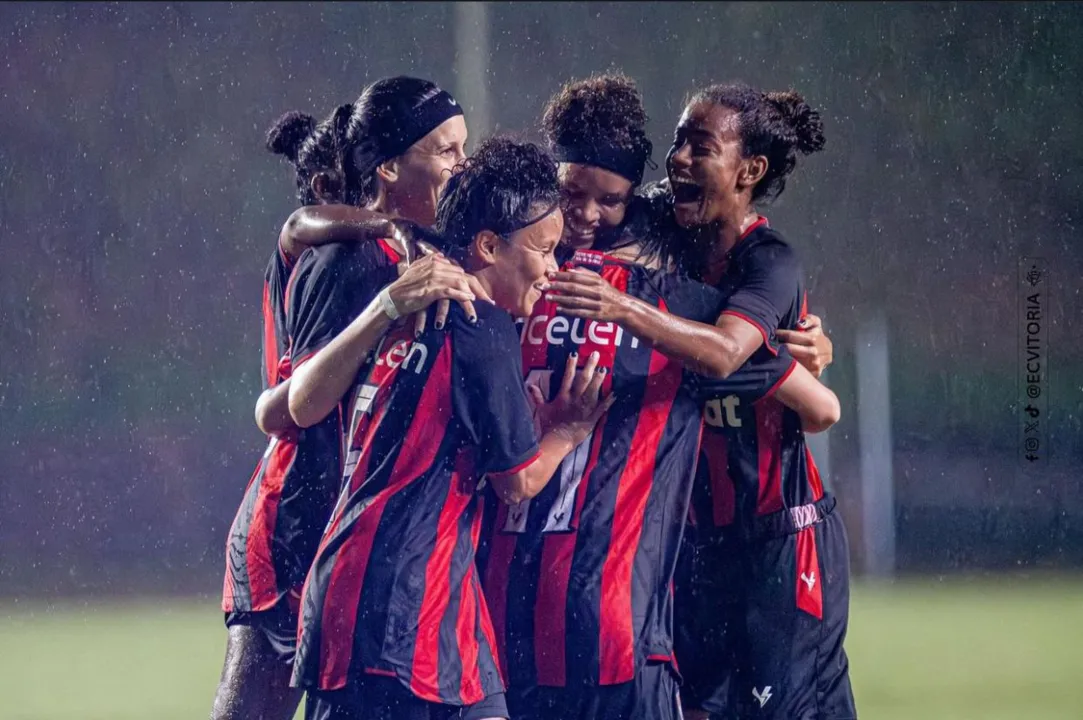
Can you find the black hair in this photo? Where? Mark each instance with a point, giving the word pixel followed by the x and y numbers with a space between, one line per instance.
pixel 376 122
pixel 310 148
pixel 601 111
pixel 499 188
pixel 776 125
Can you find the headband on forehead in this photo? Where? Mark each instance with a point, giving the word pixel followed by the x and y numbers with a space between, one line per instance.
pixel 407 129
pixel 622 161
pixel 514 227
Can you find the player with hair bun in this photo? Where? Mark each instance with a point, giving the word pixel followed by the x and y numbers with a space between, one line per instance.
pixel 763 595
pixel 273 536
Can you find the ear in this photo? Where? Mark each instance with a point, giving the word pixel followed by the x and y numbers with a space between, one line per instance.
pixel 485 247
pixel 752 172
pixel 325 186
pixel 388 171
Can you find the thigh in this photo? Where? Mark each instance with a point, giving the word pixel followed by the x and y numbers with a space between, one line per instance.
pixel 255 681
pixel 835 696
pixel 708 615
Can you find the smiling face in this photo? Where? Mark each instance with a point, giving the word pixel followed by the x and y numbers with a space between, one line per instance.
pixel 420 173
pixel 594 202
pixel 513 268
pixel 706 170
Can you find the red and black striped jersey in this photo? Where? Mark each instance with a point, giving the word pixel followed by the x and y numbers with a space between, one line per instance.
pixel 275 336
pixel 287 501
pixel 578 578
pixel 394 589
pixel 754 461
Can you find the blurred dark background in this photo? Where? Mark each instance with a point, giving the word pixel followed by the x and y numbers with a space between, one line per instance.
pixel 138 208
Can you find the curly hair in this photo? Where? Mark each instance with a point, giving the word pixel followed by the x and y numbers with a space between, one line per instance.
pixel 498 188
pixel 599 111
pixel 310 148
pixel 776 125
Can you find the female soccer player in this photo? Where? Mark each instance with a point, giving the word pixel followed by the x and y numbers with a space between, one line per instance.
pixel 287 501
pixel 764 610
pixel 579 578
pixel 394 624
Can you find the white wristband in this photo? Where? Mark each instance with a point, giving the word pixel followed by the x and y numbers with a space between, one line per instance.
pixel 388 304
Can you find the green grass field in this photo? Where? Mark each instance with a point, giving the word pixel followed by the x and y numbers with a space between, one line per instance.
pixel 994 649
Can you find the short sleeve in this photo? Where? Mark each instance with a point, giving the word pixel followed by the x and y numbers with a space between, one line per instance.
pixel 330 286
pixel 488 394
pixel 771 276
pixel 690 299
pixel 759 377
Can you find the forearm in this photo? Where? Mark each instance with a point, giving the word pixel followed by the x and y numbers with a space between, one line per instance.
pixel 816 405
pixel 555 445
pixel 273 410
pixel 318 385
pixel 706 349
pixel 320 224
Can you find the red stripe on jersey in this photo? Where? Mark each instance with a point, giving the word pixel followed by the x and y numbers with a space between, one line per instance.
pixel 261 570
pixel 425 674
pixel 394 255
pixel 814 480
pixel 804 305
pixel 551 602
pixel 340 618
pixel 760 221
pixel 723 491
pixel 769 452
pixel 774 388
pixel 809 591
pixel 521 466
pixel 270 339
pixel 616 651
pixel 466 627
pixel 753 323
pixel 497 574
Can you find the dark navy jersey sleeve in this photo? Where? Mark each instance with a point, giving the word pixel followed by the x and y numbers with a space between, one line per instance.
pixel 690 299
pixel 487 390
pixel 771 275
pixel 330 286
pixel 759 376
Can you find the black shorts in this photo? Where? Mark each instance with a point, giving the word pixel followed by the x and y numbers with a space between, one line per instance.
pixel 761 625
pixel 651 696
pixel 385 698
pixel 278 625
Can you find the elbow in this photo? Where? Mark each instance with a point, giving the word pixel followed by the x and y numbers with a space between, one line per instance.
pixel 263 419
pixel 827 416
pixel 301 410
pixel 515 489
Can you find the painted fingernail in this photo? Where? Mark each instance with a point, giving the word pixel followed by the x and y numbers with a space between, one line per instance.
pixel 439 325
pixel 573 354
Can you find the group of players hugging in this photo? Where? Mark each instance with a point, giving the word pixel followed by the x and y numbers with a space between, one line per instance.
pixel 536 428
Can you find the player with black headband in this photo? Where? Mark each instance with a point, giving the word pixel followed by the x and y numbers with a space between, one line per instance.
pixel 578 579
pixel 287 500
pixel 763 610
pixel 394 624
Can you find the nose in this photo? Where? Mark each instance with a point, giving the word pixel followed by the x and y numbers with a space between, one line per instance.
pixel 589 213
pixel 680 156
pixel 551 263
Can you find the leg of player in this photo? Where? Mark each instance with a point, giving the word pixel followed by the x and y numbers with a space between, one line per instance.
pixel 793 665
pixel 255 682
